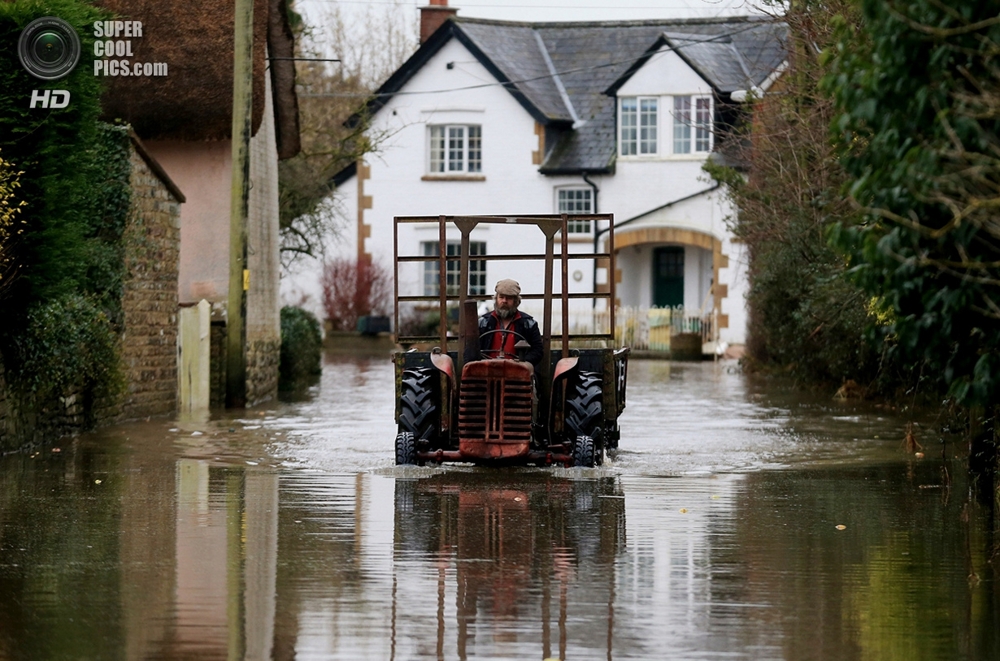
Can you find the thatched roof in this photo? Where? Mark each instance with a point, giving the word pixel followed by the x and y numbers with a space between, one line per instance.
pixel 194 100
pixel 281 48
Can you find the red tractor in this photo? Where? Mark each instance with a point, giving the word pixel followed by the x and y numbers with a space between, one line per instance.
pixel 453 403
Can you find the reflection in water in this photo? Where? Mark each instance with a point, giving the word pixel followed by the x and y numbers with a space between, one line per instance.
pixel 288 534
pixel 507 548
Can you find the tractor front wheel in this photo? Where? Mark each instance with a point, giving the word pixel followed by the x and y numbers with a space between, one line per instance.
pixel 418 406
pixel 584 452
pixel 585 411
pixel 406 449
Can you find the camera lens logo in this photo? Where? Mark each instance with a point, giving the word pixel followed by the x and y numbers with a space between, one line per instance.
pixel 49 48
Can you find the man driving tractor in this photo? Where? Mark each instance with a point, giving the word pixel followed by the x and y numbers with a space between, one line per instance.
pixel 509 326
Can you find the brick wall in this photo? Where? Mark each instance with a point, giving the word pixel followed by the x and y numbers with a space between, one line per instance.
pixel 152 249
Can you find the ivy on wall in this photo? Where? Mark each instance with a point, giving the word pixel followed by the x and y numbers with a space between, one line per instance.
pixel 62 305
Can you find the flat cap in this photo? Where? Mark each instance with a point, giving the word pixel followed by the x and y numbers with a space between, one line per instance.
pixel 508 288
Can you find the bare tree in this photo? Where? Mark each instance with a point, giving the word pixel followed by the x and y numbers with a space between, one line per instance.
pixel 354 289
pixel 370 45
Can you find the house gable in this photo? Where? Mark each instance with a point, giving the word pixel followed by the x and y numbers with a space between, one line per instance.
pixel 738 58
pixel 663 75
pixel 449 30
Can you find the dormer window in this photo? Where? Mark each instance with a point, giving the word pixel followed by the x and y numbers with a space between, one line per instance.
pixel 687 125
pixel 638 122
pixel 692 118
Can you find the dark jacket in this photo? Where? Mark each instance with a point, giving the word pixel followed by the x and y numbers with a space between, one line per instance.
pixel 523 324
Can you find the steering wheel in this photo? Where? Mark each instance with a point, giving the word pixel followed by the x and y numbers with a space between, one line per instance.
pixel 484 353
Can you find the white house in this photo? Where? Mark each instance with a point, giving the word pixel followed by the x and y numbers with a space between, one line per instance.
pixel 493 117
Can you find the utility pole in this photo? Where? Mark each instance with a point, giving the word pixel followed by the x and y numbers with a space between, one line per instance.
pixel 239 276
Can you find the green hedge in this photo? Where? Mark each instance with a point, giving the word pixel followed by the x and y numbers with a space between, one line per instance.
pixel 301 347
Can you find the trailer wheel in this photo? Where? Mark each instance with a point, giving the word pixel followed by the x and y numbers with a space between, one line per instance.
pixel 406 449
pixel 418 411
pixel 584 452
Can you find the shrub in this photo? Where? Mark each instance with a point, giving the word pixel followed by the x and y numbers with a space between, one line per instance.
pixel 353 289
pixel 67 342
pixel 301 347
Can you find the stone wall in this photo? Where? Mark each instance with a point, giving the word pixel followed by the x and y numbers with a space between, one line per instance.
pixel 152 244
pixel 217 373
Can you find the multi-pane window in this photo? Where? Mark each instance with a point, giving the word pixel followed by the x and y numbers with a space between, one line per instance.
pixel 682 124
pixel 576 200
pixel 698 118
pixel 455 149
pixel 638 125
pixel 629 115
pixel 647 126
pixel 638 121
pixel 477 268
pixel 703 124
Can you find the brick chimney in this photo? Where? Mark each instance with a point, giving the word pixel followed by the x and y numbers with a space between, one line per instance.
pixel 433 16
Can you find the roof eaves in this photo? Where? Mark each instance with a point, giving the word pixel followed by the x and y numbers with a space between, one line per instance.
pixel 609 169
pixel 678 49
pixel 666 206
pixel 344 175
pixel 635 66
pixel 155 166
pixel 662 40
pixel 404 73
pixel 281 53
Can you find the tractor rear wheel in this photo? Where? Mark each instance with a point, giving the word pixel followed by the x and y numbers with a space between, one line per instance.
pixel 584 452
pixel 406 449
pixel 585 410
pixel 418 411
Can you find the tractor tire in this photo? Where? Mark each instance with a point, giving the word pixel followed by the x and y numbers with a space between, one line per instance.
pixel 406 449
pixel 418 411
pixel 584 452
pixel 584 406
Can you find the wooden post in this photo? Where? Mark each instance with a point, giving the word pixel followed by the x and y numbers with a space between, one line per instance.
pixel 239 277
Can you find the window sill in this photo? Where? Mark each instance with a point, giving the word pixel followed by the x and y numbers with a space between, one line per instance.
pixel 453 177
pixel 695 156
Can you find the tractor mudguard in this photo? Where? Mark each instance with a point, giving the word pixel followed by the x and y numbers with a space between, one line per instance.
pixel 443 363
pixel 563 369
pixel 564 365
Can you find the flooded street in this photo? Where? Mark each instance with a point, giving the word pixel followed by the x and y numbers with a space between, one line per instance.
pixel 740 519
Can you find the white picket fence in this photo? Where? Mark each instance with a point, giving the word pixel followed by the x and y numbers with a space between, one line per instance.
pixel 650 329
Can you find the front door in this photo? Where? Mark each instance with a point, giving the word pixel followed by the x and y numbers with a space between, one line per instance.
pixel 668 276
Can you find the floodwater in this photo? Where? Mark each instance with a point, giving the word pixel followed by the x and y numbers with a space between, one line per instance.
pixel 740 520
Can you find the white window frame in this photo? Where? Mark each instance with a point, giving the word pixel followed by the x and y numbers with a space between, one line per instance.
pixel 576 199
pixel 454 149
pixel 477 268
pixel 691 127
pixel 638 126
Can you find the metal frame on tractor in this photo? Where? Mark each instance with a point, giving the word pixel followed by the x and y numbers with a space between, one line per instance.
pixel 452 404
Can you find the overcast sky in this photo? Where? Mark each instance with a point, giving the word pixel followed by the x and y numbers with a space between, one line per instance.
pixel 557 10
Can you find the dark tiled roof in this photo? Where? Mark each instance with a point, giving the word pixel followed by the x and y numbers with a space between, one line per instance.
pixel 515 50
pixel 591 61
